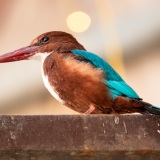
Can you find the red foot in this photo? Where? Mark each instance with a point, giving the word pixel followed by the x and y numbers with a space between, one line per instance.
pixel 90 110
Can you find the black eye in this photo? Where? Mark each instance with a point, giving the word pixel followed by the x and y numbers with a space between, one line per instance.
pixel 44 40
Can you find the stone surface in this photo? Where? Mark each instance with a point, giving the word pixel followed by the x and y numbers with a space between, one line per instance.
pixel 67 137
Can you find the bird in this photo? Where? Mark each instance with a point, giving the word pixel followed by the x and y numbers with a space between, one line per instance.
pixel 79 79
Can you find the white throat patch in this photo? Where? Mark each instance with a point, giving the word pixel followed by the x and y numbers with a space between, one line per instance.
pixel 41 57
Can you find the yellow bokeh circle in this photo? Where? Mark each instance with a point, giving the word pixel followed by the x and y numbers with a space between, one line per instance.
pixel 78 21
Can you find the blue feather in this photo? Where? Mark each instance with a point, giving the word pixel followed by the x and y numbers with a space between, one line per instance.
pixel 115 83
pixel 156 107
pixel 122 87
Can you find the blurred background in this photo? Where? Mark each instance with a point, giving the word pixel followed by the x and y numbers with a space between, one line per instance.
pixel 126 33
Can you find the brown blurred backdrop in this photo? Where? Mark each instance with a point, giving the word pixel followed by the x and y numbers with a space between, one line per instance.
pixel 126 33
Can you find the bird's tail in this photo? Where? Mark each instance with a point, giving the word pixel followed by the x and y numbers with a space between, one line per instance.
pixel 150 109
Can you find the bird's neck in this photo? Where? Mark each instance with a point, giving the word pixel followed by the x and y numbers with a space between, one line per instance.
pixel 67 47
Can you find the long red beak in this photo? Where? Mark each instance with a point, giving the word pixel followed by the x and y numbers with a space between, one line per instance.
pixel 20 54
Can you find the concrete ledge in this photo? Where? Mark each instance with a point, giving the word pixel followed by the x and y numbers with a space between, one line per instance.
pixel 75 137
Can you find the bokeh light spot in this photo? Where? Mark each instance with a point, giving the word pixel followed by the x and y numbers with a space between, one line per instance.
pixel 78 21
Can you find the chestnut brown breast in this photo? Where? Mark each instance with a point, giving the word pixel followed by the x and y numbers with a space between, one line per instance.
pixel 78 84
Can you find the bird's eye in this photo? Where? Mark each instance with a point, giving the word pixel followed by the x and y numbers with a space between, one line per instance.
pixel 44 40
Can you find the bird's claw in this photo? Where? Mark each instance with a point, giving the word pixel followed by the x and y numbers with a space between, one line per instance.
pixel 90 110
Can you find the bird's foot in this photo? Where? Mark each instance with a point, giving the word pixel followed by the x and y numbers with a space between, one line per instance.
pixel 90 110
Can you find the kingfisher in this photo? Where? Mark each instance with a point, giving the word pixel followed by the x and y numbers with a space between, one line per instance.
pixel 80 79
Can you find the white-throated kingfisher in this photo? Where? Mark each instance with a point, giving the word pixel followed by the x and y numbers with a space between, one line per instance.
pixel 80 79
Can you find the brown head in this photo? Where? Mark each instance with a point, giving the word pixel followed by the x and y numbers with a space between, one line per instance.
pixel 55 41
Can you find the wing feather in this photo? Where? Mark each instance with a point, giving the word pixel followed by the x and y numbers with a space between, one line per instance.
pixel 117 86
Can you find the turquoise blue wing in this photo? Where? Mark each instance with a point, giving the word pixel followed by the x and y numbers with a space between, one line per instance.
pixel 120 88
pixel 117 86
